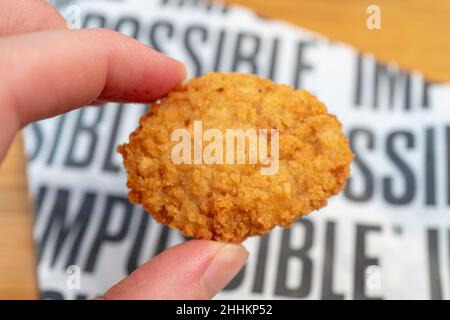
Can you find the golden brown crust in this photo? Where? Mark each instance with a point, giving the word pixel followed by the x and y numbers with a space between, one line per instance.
pixel 232 202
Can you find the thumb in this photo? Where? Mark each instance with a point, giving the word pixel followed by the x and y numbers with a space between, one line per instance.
pixel 196 269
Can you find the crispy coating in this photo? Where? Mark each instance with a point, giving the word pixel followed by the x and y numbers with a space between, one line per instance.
pixel 230 202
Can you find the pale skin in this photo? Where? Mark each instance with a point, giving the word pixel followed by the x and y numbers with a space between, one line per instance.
pixel 48 70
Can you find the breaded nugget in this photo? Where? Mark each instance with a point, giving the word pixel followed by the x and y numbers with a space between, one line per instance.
pixel 230 202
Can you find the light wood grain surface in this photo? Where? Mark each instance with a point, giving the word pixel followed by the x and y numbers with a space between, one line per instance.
pixel 413 33
pixel 17 263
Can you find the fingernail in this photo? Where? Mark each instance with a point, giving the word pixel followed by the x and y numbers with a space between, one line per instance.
pixel 182 67
pixel 165 59
pixel 225 264
pixel 183 70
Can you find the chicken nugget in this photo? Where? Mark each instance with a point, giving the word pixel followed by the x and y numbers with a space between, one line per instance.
pixel 229 156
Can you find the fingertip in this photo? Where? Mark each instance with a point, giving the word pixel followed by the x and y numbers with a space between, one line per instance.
pixel 143 73
pixel 177 65
pixel 182 71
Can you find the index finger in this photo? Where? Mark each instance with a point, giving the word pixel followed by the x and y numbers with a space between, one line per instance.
pixel 51 72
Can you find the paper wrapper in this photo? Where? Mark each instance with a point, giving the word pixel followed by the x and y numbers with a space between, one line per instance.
pixel 386 235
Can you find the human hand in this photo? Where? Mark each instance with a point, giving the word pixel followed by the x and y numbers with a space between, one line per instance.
pixel 48 70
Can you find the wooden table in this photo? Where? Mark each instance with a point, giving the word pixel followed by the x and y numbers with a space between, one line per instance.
pixel 413 33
